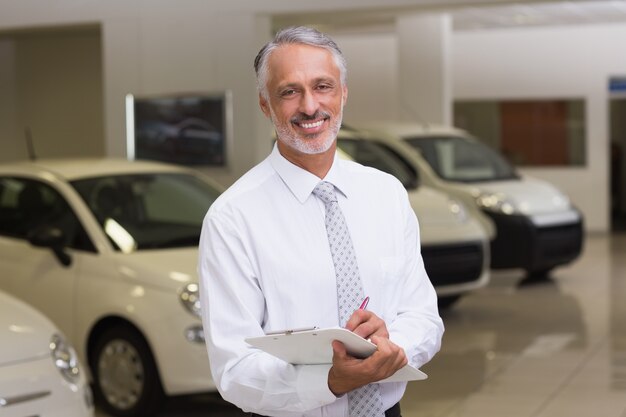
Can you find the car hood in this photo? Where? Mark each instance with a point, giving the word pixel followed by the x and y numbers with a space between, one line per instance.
pixel 432 207
pixel 529 195
pixel 25 333
pixel 438 224
pixel 166 269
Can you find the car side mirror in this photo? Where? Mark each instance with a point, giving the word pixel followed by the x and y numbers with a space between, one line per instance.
pixel 53 238
pixel 414 183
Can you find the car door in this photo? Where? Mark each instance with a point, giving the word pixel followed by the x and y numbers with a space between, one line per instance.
pixel 37 274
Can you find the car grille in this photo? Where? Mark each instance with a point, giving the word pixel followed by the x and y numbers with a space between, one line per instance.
pixel 453 264
pixel 559 242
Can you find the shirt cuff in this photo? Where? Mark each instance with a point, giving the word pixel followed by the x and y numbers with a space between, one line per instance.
pixel 312 386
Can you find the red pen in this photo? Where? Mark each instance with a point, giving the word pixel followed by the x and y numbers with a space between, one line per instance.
pixel 364 303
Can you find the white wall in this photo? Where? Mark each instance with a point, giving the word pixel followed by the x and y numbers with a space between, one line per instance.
pixel 424 66
pixel 563 62
pixel 558 62
pixel 372 81
pixel 159 46
pixel 156 47
pixel 190 49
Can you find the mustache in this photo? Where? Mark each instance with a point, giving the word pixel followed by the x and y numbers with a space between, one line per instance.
pixel 303 117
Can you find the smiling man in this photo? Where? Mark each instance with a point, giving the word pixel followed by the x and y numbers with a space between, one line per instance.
pixel 304 97
pixel 301 240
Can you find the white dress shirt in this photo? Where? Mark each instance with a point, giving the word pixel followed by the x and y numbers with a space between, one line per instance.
pixel 265 265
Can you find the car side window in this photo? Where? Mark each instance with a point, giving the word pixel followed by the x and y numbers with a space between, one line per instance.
pixel 27 205
pixel 11 219
pixel 380 157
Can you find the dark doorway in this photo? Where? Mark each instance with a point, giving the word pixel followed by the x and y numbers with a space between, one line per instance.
pixel 618 163
pixel 51 86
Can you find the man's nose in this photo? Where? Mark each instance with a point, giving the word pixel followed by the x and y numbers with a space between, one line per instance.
pixel 308 103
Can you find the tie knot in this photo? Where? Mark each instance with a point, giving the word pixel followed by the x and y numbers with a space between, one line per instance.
pixel 326 192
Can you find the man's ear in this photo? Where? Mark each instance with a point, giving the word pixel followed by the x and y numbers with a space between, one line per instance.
pixel 345 94
pixel 265 106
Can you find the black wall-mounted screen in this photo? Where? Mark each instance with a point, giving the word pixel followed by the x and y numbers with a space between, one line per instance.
pixel 184 129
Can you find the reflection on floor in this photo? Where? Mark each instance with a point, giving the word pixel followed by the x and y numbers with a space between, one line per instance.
pixel 520 349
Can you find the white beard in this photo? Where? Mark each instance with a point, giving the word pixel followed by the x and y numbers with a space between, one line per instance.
pixel 304 145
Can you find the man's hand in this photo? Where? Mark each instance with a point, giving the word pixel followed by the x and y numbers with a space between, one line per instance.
pixel 367 324
pixel 347 372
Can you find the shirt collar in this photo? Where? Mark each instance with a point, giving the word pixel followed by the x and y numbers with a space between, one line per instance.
pixel 301 182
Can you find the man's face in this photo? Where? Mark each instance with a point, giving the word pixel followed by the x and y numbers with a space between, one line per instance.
pixel 305 97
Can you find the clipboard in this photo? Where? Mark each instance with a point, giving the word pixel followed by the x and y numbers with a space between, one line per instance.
pixel 314 347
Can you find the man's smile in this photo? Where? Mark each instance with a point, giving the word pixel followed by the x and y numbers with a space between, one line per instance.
pixel 312 125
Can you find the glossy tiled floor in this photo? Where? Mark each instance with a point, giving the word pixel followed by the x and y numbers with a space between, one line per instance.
pixel 551 349
pixel 517 349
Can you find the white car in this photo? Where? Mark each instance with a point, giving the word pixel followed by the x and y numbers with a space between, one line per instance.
pixel 533 225
pixel 40 374
pixel 107 249
pixel 455 247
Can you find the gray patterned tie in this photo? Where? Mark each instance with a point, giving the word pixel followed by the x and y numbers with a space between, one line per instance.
pixel 364 401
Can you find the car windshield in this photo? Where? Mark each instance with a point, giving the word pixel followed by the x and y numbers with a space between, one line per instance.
pixel 379 156
pixel 462 160
pixel 148 211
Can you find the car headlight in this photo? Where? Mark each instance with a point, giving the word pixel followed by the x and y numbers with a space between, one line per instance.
pixel 458 210
pixel 496 203
pixel 190 297
pixel 65 359
pixel 561 201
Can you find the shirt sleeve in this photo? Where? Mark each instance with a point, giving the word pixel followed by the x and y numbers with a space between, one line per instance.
pixel 417 327
pixel 233 308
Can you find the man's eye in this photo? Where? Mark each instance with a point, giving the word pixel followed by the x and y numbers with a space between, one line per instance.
pixel 325 86
pixel 287 93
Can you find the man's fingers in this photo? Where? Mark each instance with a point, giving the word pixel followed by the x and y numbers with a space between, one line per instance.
pixel 365 330
pixel 339 349
pixel 390 357
pixel 348 372
pixel 365 323
pixel 357 318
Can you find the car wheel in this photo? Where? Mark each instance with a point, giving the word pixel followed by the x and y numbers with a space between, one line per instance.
pixel 537 276
pixel 126 380
pixel 447 301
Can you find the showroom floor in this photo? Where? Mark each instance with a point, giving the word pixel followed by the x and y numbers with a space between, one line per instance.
pixel 547 349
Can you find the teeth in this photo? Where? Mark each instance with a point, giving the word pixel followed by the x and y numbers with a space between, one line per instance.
pixel 311 125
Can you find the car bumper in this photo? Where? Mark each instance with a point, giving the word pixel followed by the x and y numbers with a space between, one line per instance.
pixel 455 268
pixel 183 364
pixel 536 243
pixel 36 388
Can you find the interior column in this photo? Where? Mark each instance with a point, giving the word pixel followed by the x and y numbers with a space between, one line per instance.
pixel 424 68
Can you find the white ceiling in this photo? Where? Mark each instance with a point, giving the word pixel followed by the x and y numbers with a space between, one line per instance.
pixel 540 14
pixel 519 14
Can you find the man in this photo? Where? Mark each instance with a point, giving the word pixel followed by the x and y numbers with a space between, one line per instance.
pixel 267 260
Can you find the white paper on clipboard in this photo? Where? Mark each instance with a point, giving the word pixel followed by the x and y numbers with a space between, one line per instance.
pixel 311 347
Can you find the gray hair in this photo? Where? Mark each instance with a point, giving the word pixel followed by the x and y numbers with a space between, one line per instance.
pixel 296 35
